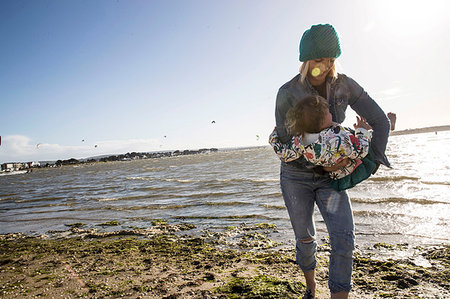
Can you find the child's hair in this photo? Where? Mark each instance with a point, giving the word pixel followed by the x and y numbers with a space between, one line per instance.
pixel 307 115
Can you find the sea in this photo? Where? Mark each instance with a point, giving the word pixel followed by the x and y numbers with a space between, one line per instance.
pixel 408 203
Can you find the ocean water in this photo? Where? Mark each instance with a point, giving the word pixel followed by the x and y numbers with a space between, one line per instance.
pixel 409 203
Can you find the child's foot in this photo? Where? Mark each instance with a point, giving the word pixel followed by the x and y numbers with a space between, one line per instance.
pixel 393 118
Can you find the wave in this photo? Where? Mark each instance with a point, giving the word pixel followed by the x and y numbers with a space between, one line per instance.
pixel 11 198
pixel 393 178
pixel 127 197
pixel 435 183
pixel 164 179
pixel 67 188
pixel 397 200
pixel 249 180
pixel 9 194
pixel 180 180
pixel 388 216
pixel 174 207
pixel 39 199
pixel 375 213
pixel 214 194
pixel 139 178
pixel 167 195
pixel 86 189
pixel 78 219
pixel 403 234
pixel 214 181
pixel 273 207
pixel 112 208
pixel 139 197
pixel 231 217
pixel 152 207
pixel 132 208
pixel 37 206
pixel 152 189
pixel 155 169
pixel 231 203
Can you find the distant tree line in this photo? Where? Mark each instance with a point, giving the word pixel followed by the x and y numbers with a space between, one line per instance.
pixel 136 156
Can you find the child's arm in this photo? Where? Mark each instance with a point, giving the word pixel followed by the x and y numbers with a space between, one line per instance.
pixel 354 146
pixel 287 152
pixel 360 141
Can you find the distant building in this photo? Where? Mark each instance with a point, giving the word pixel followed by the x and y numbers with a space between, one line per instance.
pixel 19 166
pixel 12 166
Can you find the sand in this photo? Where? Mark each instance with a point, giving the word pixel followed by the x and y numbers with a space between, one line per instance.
pixel 170 261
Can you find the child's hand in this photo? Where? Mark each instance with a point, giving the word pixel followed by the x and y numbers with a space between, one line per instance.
pixel 361 123
pixel 338 165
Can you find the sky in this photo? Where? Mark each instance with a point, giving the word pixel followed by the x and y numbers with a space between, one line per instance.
pixel 85 78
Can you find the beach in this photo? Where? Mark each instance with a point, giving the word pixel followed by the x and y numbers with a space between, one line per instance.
pixel 214 225
pixel 169 261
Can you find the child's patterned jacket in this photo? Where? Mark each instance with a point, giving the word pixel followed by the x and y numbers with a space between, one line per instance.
pixel 332 146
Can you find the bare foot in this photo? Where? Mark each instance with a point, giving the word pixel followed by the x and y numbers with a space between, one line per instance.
pixel 393 118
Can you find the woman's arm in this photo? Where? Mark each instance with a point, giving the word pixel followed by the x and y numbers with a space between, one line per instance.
pixel 367 108
pixel 283 104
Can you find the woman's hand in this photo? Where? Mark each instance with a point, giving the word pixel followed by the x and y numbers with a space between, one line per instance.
pixel 361 123
pixel 337 166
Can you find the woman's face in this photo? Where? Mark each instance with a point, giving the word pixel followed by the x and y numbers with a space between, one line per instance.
pixel 319 69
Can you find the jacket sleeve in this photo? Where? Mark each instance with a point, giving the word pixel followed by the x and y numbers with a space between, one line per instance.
pixel 366 107
pixel 283 104
pixel 287 152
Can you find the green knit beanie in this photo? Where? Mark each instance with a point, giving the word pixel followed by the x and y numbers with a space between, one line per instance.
pixel 320 41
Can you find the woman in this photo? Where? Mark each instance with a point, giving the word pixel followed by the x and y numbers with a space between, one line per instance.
pixel 302 184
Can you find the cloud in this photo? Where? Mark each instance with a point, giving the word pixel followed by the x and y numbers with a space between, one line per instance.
pixel 369 26
pixel 22 149
pixel 390 94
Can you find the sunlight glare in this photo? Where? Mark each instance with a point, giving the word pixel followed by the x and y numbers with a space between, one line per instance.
pixel 315 72
pixel 408 18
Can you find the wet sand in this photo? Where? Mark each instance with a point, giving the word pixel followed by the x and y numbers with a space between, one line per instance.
pixel 171 261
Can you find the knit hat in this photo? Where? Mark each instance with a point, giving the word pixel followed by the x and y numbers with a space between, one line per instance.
pixel 320 41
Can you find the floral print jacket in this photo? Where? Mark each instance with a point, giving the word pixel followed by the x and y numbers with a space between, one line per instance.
pixel 332 145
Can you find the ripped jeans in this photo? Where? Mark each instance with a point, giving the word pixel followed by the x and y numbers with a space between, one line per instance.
pixel 301 188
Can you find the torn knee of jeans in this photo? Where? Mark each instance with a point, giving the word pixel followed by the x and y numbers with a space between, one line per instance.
pixel 307 241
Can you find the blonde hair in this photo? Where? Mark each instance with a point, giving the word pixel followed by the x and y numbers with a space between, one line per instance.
pixel 305 67
pixel 307 116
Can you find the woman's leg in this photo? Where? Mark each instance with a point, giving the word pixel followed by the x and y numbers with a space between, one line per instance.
pixel 298 194
pixel 336 211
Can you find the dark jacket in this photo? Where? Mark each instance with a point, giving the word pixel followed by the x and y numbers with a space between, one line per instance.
pixel 342 92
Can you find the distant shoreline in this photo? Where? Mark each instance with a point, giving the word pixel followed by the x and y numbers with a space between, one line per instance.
pixel 170 153
pixel 421 130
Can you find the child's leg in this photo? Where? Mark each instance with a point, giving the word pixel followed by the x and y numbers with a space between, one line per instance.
pixel 393 119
